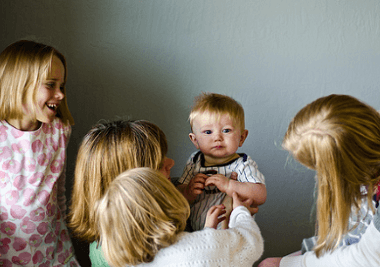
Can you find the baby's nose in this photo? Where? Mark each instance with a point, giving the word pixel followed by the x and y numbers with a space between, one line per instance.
pixel 218 137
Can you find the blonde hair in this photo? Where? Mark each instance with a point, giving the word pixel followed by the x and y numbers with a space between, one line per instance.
pixel 24 65
pixel 107 150
pixel 148 213
pixel 219 105
pixel 339 137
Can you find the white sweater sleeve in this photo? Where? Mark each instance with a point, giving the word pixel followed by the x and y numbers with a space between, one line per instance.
pixel 246 233
pixel 240 245
pixel 365 253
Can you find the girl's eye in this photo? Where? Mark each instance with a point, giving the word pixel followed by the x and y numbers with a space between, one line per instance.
pixel 50 85
pixel 207 132
pixel 62 88
pixel 226 130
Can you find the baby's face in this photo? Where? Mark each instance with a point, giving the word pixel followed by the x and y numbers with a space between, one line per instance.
pixel 218 137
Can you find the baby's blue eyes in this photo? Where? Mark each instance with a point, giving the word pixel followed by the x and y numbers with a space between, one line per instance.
pixel 223 131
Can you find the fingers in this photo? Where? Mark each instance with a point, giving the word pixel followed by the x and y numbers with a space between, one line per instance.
pixel 215 215
pixel 235 200
pixel 200 178
pixel 197 184
pixel 246 203
pixel 209 181
pixel 217 210
pixel 215 179
pixel 234 176
pixel 196 188
pixel 253 210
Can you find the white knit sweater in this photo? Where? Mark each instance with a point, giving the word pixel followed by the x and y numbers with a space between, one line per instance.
pixel 241 245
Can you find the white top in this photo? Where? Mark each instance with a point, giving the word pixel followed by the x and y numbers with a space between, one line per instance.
pixel 240 245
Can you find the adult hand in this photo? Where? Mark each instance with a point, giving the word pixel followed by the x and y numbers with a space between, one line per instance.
pixel 215 216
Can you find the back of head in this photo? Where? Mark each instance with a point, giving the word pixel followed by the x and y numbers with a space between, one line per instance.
pixel 23 67
pixel 339 137
pixel 148 212
pixel 218 105
pixel 107 150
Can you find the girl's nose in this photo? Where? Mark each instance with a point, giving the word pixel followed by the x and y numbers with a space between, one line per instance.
pixel 59 94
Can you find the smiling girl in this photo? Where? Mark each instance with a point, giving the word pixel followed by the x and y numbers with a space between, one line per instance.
pixel 35 126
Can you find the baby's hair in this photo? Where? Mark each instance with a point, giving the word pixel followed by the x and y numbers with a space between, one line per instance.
pixel 107 150
pixel 148 213
pixel 218 105
pixel 24 65
pixel 339 137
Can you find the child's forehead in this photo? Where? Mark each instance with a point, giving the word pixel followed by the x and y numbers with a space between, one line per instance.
pixel 209 118
pixel 56 68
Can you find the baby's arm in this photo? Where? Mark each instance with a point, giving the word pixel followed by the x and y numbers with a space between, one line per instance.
pixel 252 193
pixel 194 188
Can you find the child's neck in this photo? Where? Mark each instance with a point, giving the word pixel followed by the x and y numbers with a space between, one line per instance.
pixel 24 125
pixel 211 161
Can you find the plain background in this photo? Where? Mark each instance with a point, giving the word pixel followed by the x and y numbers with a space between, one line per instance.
pixel 148 59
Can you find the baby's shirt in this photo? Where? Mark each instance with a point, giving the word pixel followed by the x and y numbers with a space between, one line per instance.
pixel 244 166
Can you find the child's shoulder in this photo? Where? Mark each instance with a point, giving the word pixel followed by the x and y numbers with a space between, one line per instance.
pixel 56 127
pixel 195 156
pixel 245 157
pixel 58 123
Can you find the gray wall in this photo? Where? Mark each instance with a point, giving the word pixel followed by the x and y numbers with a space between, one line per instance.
pixel 148 59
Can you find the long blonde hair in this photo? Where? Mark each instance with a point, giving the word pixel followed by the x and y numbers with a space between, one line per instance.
pixel 148 213
pixel 339 137
pixel 24 65
pixel 107 150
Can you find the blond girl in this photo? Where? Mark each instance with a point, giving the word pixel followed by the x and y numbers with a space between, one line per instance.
pixel 35 126
pixel 150 217
pixel 339 137
pixel 107 150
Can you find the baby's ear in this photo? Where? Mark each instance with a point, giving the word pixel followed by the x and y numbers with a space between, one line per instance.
pixel 243 136
pixel 193 139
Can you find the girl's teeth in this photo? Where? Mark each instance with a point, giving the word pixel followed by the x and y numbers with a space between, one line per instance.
pixel 52 106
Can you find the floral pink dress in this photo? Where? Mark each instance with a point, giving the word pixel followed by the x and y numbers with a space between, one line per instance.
pixel 32 196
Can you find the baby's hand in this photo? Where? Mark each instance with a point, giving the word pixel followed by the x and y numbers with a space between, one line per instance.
pixel 220 181
pixel 236 202
pixel 215 216
pixel 196 185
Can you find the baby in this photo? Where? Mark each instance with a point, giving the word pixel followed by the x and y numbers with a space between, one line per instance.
pixel 216 171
